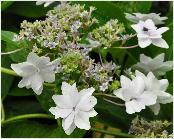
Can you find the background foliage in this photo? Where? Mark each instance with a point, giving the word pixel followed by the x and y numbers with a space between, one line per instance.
pixel 22 101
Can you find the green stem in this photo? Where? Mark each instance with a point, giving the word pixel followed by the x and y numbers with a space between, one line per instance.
pixel 2 112
pixel 118 134
pixel 8 71
pixel 11 72
pixel 46 116
pixel 26 116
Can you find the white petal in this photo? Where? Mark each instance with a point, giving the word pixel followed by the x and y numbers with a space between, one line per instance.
pixel 67 122
pixel 32 58
pixel 147 98
pixel 70 129
pixel 92 113
pixel 138 27
pixel 134 106
pixel 150 24
pixel 144 42
pixel 164 84
pixel 24 82
pixel 160 43
pixel 88 91
pixel 87 103
pixel 48 77
pixel 39 2
pixel 63 101
pixel 24 69
pixel 68 89
pixel 124 81
pixel 162 30
pixel 36 83
pixel 119 93
pixel 155 108
pixel 58 112
pixel 164 97
pixel 82 120
pixel 131 18
pixel 145 59
pixel 139 85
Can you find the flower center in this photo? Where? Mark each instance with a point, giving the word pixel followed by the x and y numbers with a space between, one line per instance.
pixel 145 29
pixel 74 108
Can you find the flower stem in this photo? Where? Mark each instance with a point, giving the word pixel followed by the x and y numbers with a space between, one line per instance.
pixel 26 116
pixel 127 47
pixel 11 52
pixel 118 104
pixel 46 116
pixel 2 112
pixel 120 134
pixel 8 71
pixel 11 72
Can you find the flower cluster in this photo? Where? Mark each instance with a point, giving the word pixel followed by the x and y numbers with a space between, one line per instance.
pixel 64 38
pixel 152 129
pixel 107 34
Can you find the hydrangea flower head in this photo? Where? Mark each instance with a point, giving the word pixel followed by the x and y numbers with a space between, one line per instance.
pixel 74 107
pixel 35 71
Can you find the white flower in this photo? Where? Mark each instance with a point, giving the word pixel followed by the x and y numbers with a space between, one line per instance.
pixel 46 3
pixel 35 71
pixel 156 87
pixel 132 92
pixel 74 107
pixel 155 65
pixel 136 17
pixel 148 33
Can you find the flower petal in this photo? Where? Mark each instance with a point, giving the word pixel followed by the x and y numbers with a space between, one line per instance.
pixel 88 91
pixel 163 84
pixel 24 82
pixel 63 101
pixel 36 83
pixel 67 122
pixel 155 108
pixel 134 106
pixel 160 43
pixel 48 77
pixel 70 129
pixel 68 89
pixel 162 30
pixel 92 113
pixel 145 59
pixel 124 81
pixel 119 93
pixel 164 97
pixel 147 98
pixel 82 120
pixel 58 112
pixel 144 42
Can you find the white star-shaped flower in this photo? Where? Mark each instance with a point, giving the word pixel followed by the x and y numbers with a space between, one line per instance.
pixel 132 92
pixel 155 65
pixel 136 17
pixel 148 33
pixel 35 71
pixel 156 87
pixel 74 107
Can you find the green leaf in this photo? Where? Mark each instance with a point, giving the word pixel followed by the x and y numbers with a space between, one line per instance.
pixel 33 127
pixel 16 91
pixel 28 9
pixel 6 4
pixel 20 56
pixel 6 80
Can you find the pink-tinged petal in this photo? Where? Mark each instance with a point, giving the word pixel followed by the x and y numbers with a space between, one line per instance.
pixel 58 112
pixel 82 120
pixel 160 43
pixel 143 43
pixel 162 30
